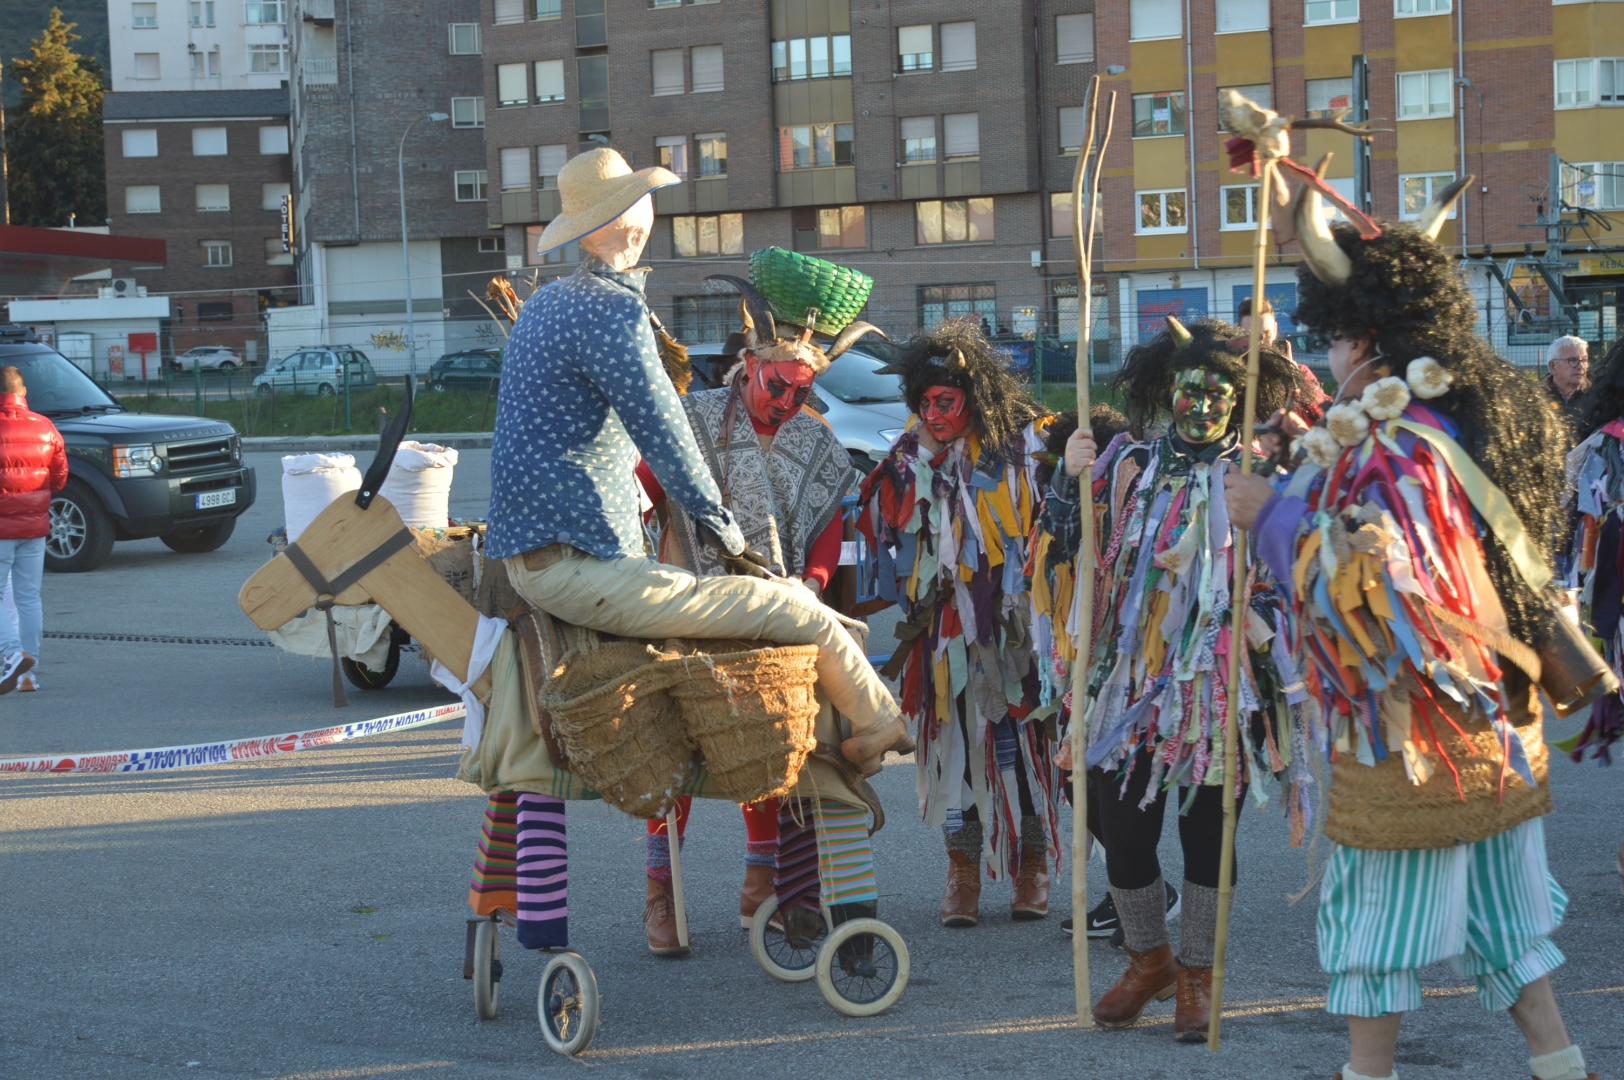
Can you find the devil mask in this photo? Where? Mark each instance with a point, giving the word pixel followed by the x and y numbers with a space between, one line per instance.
pixel 774 391
pixel 1202 402
pixel 945 412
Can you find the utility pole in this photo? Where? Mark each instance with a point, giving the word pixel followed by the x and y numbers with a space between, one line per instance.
pixel 1359 103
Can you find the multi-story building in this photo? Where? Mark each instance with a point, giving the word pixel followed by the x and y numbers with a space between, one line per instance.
pixel 917 140
pixel 159 45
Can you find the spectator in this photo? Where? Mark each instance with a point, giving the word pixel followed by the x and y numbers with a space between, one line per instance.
pixel 33 464
pixel 1568 359
pixel 1271 327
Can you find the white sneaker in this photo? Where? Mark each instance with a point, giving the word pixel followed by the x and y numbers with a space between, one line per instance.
pixel 28 683
pixel 16 665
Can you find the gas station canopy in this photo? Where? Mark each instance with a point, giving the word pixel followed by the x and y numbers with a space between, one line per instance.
pixel 41 262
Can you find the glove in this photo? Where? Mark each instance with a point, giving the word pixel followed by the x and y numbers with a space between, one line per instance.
pixel 746 563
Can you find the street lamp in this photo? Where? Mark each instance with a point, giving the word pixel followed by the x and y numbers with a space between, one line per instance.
pixel 405 247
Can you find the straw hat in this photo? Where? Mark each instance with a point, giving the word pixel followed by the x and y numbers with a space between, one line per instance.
pixel 597 187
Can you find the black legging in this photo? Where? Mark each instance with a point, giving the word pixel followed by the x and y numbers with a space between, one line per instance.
pixel 1130 835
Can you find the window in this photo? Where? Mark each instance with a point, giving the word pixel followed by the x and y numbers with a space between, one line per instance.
pixel 1158 114
pixel 1597 185
pixel 265 12
pixel 1071 129
pixel 267 59
pixel 914 48
pixel 202 12
pixel 671 152
pixel 841 227
pixel 273 140
pixel 508 11
pixel 1420 7
pixel 1330 11
pixel 959 46
pixel 510 88
pixel 569 253
pixel 591 24
pixel 144 16
pixel 712 234
pixel 664 3
pixel 271 196
pixel 812 58
pixel 465 39
pixel 814 146
pixel 1610 81
pixel 592 86
pixel 206 65
pixel 954 221
pixel 961 135
pixel 712 154
pixel 1238 15
pixel 1060 223
pixel 515 168
pixel 918 138
pixel 1074 39
pixel 1328 95
pixel 1574 83
pixel 1240 206
pixel 1259 94
pixel 549 9
pixel 141 199
pixel 704 318
pixel 550 161
pixel 146 65
pixel 274 255
pixel 1415 192
pixel 1161 211
pixel 470 185
pixel 667 64
pixel 467 112
pixel 1155 19
pixel 1425 93
pixel 214 253
pixel 213 197
pixel 208 142
pixel 938 302
pixel 491 245
pixel 140 142
pixel 220 311
pixel 707 69
pixel 549 81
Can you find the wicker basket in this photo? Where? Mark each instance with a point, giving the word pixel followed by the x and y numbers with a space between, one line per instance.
pixel 793 282
pixel 751 709
pixel 612 711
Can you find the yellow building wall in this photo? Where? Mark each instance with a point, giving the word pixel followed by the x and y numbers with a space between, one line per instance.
pixel 1426 145
pixel 1587 30
pixel 1590 134
pixel 1328 50
pixel 1156 65
pixel 1244 59
pixel 1335 143
pixel 1425 43
pixel 1159 162
pixel 1161 250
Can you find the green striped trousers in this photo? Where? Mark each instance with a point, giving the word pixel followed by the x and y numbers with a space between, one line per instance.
pixel 1488 908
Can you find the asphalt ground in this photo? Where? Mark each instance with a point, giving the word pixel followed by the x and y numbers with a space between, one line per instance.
pixel 304 916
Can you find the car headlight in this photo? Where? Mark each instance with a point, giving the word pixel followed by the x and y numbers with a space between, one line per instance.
pixel 140 459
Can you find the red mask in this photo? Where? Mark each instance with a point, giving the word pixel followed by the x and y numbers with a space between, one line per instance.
pixel 774 392
pixel 945 412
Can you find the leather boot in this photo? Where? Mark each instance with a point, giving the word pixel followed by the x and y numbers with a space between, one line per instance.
pixel 1031 884
pixel 1151 976
pixel 660 916
pixel 865 749
pixel 758 885
pixel 962 904
pixel 1193 1013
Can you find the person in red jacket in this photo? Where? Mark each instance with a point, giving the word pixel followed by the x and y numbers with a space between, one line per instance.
pixel 33 465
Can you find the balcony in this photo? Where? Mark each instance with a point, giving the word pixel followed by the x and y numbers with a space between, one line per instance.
pixel 319 12
pixel 916 181
pixel 961 178
pixel 518 208
pixel 818 187
pixel 319 70
pixel 672 200
pixel 710 195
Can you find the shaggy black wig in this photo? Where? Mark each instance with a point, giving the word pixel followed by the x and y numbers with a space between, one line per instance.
pixel 1606 397
pixel 1407 291
pixel 1002 405
pixel 1148 374
pixel 1105 422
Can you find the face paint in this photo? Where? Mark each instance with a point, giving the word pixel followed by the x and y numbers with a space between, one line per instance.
pixel 1202 402
pixel 945 412
pixel 775 392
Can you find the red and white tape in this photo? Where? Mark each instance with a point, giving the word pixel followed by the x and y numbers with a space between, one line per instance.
pixel 230 752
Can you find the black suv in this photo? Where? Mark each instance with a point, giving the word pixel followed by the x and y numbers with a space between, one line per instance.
pixel 131 475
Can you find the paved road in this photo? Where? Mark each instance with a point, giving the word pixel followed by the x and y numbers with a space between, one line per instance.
pixel 304 917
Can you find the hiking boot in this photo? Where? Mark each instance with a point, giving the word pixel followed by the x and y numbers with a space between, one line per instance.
pixel 660 916
pixel 1151 976
pixel 962 904
pixel 758 885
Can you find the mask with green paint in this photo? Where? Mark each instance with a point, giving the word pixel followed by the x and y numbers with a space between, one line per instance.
pixel 1202 403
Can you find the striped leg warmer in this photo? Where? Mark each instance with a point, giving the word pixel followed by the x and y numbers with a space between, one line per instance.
pixel 795 871
pixel 543 873
pixel 494 883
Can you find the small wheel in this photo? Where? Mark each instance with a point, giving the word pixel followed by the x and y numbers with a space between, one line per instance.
pixel 365 678
pixel 487 969
pixel 784 960
pixel 325 390
pixel 567 1004
pixel 862 967
pixel 263 390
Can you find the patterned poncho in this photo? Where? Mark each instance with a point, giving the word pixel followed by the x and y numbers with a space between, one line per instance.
pixel 1596 473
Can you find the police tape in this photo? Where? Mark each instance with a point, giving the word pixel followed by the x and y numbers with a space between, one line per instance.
pixel 230 752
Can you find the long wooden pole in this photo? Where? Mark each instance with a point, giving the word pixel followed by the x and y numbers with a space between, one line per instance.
pixel 679 906
pixel 1239 598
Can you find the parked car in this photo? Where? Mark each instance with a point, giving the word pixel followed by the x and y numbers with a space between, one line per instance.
pixel 866 410
pixel 318 371
pixel 131 476
pixel 472 369
pixel 209 358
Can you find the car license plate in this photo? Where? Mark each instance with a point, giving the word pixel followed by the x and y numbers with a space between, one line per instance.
pixel 207 500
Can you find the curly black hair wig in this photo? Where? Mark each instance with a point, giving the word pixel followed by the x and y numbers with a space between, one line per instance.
pixel 1105 422
pixel 1606 397
pixel 1147 376
pixel 1002 404
pixel 1407 291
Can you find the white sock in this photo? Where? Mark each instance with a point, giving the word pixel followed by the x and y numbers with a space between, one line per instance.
pixel 1349 1074
pixel 1566 1064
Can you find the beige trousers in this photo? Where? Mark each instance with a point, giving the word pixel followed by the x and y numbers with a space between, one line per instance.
pixel 638 597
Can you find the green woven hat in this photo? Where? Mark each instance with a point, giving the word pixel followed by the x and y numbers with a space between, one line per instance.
pixel 793 282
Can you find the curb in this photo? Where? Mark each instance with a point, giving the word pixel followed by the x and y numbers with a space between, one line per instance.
pixel 457 440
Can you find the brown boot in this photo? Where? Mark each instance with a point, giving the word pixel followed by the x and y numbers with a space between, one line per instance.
pixel 758 885
pixel 660 916
pixel 1031 884
pixel 865 749
pixel 1193 1014
pixel 962 904
pixel 1151 976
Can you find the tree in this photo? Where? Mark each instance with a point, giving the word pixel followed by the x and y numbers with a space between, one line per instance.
pixel 54 137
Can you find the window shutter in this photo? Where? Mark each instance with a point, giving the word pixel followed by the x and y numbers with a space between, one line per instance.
pixel 1242 15
pixel 509 11
pixel 918 127
pixel 208 142
pixel 1071 129
pixel 667 71
pixel 550 160
pixel 140 142
pixel 273 140
pixel 707 63
pixel 549 80
pixel 1155 19
pixel 510 87
pixel 516 169
pixel 1329 93
pixel 141 199
pixel 913 39
pixel 958 46
pixel 1074 39
pixel 214 196
pixel 962 134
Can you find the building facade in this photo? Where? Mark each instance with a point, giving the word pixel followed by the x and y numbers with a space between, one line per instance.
pixel 161 45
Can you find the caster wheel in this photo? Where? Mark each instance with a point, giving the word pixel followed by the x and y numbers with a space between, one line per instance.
pixel 779 957
pixel 487 969
pixel 567 1004
pixel 863 967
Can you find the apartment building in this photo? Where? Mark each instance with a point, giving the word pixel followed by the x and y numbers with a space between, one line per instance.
pixel 162 45
pixel 917 140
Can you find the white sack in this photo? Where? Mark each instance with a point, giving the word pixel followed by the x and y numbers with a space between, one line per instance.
pixel 310 482
pixel 419 484
pixel 362 631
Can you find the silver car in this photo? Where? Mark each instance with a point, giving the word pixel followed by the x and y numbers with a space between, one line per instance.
pixel 208 358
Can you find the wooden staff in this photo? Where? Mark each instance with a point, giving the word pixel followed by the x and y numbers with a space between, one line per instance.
pixel 1239 598
pixel 679 907
pixel 1082 234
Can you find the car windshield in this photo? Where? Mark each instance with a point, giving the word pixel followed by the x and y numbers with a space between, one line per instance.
pixel 852 379
pixel 55 386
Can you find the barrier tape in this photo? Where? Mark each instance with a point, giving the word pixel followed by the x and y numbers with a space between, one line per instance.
pixel 230 752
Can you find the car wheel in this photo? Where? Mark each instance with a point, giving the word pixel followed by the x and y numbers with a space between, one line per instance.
pixel 325 390
pixel 263 389
pixel 437 386
pixel 197 541
pixel 81 533
pixel 226 367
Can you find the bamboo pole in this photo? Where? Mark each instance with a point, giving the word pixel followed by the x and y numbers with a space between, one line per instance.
pixel 1238 606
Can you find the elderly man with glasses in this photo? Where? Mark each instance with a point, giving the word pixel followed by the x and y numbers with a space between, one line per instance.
pixel 1568 358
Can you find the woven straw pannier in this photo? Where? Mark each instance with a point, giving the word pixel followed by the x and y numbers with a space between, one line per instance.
pixel 623 732
pixel 751 710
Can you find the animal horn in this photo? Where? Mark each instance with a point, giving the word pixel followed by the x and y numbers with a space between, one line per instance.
pixel 757 312
pixel 1181 335
pixel 1431 221
pixel 849 337
pixel 955 359
pixel 1321 252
